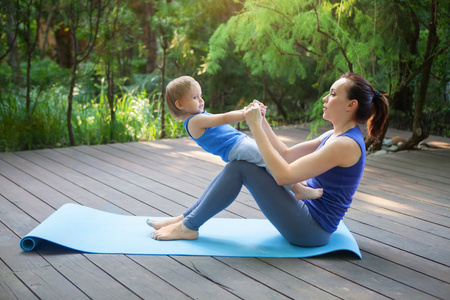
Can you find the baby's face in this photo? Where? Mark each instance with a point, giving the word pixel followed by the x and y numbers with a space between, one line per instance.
pixel 193 102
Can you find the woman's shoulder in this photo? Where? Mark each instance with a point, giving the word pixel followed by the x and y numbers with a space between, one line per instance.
pixel 345 150
pixel 325 135
pixel 356 135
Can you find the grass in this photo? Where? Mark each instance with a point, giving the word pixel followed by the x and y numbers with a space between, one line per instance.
pixel 137 118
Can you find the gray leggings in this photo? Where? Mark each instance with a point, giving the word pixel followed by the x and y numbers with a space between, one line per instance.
pixel 290 216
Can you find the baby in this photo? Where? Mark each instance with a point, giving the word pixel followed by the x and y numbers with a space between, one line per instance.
pixel 213 133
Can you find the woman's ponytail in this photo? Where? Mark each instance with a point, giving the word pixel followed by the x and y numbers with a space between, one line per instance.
pixel 373 106
pixel 380 111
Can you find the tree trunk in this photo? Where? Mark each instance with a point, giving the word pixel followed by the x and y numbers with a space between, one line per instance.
pixel 64 47
pixel 28 83
pixel 278 100
pixel 111 100
pixel 150 39
pixel 145 12
pixel 47 28
pixel 163 92
pixel 13 54
pixel 69 106
pixel 401 95
pixel 30 46
pixel 419 132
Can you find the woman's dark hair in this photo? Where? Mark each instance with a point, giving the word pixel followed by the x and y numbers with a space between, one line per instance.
pixel 373 106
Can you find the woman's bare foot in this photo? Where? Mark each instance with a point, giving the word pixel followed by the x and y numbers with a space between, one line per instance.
pixel 159 224
pixel 176 231
pixel 304 192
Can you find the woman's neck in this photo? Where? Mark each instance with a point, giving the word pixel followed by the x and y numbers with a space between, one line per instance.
pixel 344 127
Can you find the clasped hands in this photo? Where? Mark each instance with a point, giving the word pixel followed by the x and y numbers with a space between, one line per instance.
pixel 254 112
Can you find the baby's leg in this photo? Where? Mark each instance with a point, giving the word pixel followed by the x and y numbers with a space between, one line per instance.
pixel 304 192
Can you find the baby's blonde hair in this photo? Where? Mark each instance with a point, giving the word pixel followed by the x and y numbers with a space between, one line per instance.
pixel 175 90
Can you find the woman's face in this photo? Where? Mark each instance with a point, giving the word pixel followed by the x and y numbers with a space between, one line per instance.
pixel 336 102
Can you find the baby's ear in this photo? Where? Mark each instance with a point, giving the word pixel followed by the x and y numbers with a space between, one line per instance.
pixel 179 104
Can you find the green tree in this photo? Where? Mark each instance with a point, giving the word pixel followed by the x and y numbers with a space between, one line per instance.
pixel 82 20
pixel 416 33
pixel 114 41
pixel 164 21
pixel 10 22
pixel 276 39
pixel 145 11
pixel 31 13
pixel 110 42
pixel 281 40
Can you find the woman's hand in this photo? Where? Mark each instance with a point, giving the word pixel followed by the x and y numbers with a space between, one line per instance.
pixel 262 106
pixel 252 114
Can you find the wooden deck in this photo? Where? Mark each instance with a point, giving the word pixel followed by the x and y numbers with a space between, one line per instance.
pixel 400 219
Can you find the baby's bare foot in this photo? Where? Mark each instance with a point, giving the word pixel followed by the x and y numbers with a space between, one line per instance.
pixel 159 224
pixel 305 192
pixel 309 193
pixel 176 231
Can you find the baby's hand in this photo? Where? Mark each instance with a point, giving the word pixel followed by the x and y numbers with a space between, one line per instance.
pixel 252 114
pixel 262 106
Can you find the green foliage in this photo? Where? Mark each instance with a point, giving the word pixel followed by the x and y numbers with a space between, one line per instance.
pixel 302 43
pixel 44 128
pixel 46 72
pixel 316 116
pixel 276 40
pixel 5 77
pixel 137 119
pixel 285 53
pixel 117 35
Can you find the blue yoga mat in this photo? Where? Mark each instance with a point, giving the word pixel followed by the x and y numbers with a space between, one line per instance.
pixel 94 231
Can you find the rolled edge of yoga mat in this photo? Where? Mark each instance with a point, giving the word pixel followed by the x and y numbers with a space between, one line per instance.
pixel 28 243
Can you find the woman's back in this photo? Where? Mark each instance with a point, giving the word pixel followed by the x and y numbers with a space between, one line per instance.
pixel 339 186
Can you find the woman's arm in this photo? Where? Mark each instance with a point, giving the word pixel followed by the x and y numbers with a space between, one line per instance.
pixel 305 167
pixel 291 154
pixel 340 152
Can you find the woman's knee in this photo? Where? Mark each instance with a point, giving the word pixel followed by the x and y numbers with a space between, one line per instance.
pixel 240 166
pixel 237 164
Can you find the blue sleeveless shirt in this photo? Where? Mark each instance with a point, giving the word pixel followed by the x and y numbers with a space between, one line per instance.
pixel 217 140
pixel 339 185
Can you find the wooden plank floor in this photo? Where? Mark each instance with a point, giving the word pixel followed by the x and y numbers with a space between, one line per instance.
pixel 400 219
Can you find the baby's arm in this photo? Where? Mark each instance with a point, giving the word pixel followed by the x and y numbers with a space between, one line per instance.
pixel 198 124
pixel 231 117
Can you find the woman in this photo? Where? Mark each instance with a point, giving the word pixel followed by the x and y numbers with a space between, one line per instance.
pixel 334 161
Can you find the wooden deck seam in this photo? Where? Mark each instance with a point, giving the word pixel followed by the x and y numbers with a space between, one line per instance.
pixel 402 250
pixel 63 178
pixel 114 188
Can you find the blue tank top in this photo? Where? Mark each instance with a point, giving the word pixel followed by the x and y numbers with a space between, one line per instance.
pixel 217 140
pixel 339 185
